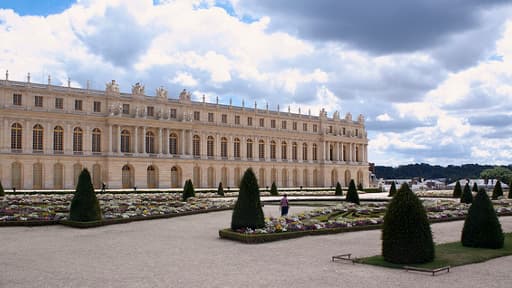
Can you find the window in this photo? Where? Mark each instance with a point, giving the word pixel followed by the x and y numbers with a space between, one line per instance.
pixel 305 127
pixel 249 149
pixel 210 117
pixel 125 141
pixel 294 126
pixel 294 151
pixel 262 122
pixel 357 132
pixel 173 144
pixel 236 148
pixel 196 141
pixel 16 136
pixel 96 140
pixel 78 105
pixel 210 146
pixel 315 128
pixel 261 149
pixel 284 151
pixel 273 123
pixel 77 140
pixel 344 131
pixel 197 116
pixel 224 118
pixel 150 111
pixel 237 119
pixel 273 150
pixel 330 129
pixel 283 124
pixel 249 121
pixel 16 99
pixel 173 113
pixel 38 101
pixel 126 108
pixel 58 139
pixel 150 142
pixel 304 151
pixel 96 106
pixel 315 152
pixel 224 147
pixel 59 103
pixel 37 138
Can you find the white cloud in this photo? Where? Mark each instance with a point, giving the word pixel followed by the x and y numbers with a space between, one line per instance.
pixel 185 79
pixel 384 117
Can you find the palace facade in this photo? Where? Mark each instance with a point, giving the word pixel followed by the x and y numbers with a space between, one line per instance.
pixel 49 133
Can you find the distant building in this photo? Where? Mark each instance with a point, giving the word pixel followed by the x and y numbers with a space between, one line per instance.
pixel 482 183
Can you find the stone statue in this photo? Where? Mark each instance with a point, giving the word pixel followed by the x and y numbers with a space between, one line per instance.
pixel 161 93
pixel 138 89
pixel 112 87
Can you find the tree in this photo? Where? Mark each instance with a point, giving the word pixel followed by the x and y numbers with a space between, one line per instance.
pixel 247 212
pixel 392 189
pixel 497 191
pixel 498 172
pixel 220 190
pixel 509 190
pixel 338 191
pixel 188 190
pixel 84 206
pixel 475 187
pixel 457 191
pixel 406 233
pixel 273 189
pixel 2 192
pixel 352 195
pixel 482 227
pixel 467 195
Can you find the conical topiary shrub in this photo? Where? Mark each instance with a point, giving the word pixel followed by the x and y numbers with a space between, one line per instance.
pixel 406 234
pixel 457 191
pixel 467 195
pixel 220 190
pixel 509 190
pixel 338 191
pixel 84 206
pixel 475 187
pixel 188 190
pixel 482 227
pixel 497 191
pixel 273 189
pixel 247 212
pixel 2 192
pixel 392 189
pixel 352 195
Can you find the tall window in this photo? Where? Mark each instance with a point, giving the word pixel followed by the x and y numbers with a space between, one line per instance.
pixel 294 125
pixel 125 141
pixel 197 116
pixel 16 99
pixel 236 148
pixel 58 139
pixel 224 147
pixel 150 142
pixel 273 150
pixel 173 113
pixel 96 140
pixel 16 136
pixel 315 128
pixel 37 138
pixel 150 112
pixel 96 106
pixel 249 121
pixel 237 119
pixel 196 141
pixel 126 108
pixel 77 139
pixel 210 146
pixel 304 151
pixel 262 122
pixel 38 101
pixel 210 117
pixel 224 118
pixel 283 124
pixel 315 152
pixel 249 149
pixel 59 103
pixel 261 149
pixel 272 123
pixel 284 151
pixel 294 151
pixel 305 126
pixel 173 144
pixel 78 105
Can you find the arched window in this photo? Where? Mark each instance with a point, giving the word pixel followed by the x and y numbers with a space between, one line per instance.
pixel 58 176
pixel 96 176
pixel 273 150
pixel 249 149
pixel 96 140
pixel 315 152
pixel 58 139
pixel 37 138
pixel 196 144
pixel 294 151
pixel 125 142
pixel 284 176
pixel 37 175
pixel 77 169
pixel 284 150
pixel 78 139
pixel 175 177
pixel 16 175
pixel 224 176
pixel 173 144
pixel 150 142
pixel 224 147
pixel 16 136
pixel 236 148
pixel 127 178
pixel 152 177
pixel 261 149
pixel 210 174
pixel 304 151
pixel 210 146
pixel 357 153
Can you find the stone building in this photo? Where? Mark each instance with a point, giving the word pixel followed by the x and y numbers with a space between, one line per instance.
pixel 49 133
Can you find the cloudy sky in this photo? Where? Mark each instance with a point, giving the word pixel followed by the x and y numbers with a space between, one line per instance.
pixel 432 77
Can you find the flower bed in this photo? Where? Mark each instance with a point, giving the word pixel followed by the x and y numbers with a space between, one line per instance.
pixel 346 217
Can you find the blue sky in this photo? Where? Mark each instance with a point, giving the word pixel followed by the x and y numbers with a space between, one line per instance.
pixel 432 78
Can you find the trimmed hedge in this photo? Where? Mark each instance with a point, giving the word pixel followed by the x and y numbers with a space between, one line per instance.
pixel 2 192
pixel 457 190
pixel 467 195
pixel 352 195
pixel 188 190
pixel 247 212
pixel 84 205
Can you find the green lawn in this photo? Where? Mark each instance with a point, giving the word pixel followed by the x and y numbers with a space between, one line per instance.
pixel 451 254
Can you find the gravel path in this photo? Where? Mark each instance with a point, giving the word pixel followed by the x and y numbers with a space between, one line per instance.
pixel 186 252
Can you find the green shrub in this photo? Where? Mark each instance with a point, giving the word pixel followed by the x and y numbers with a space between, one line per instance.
pixel 475 187
pixel 352 195
pixel 509 190
pixel 406 233
pixel 467 195
pixel 273 189
pixel 247 212
pixel 392 189
pixel 188 190
pixel 220 190
pixel 497 191
pixel 360 187
pixel 85 206
pixel 338 191
pixel 482 227
pixel 2 192
pixel 457 191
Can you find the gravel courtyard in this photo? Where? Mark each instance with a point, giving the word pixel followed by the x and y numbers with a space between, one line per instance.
pixel 186 252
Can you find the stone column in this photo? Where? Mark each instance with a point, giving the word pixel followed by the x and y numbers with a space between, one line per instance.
pixel 110 144
pixel 118 139
pixel 27 135
pixel 182 146
pixel 159 146
pixel 136 140
pixel 243 148
pixel 48 140
pixel 144 139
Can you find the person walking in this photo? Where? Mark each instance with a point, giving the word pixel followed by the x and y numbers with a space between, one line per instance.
pixel 284 205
